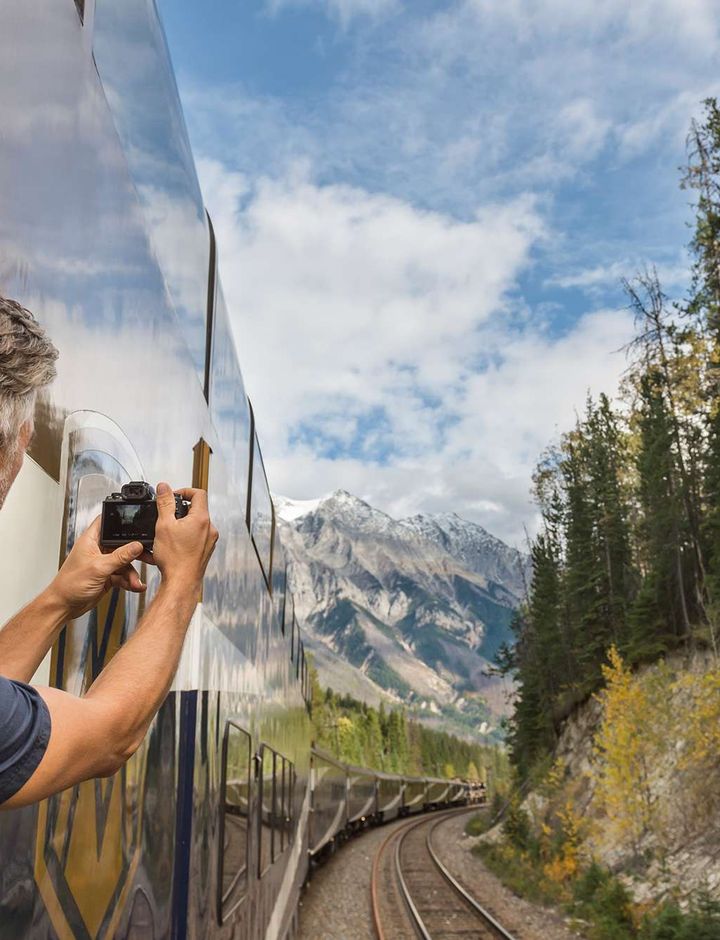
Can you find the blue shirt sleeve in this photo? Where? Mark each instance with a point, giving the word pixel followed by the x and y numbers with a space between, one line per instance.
pixel 24 735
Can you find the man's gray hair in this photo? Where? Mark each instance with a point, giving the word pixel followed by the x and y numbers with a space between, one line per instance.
pixel 27 363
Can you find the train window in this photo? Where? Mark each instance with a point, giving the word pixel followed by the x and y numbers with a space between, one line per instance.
pixel 277 812
pixel 282 805
pixel 80 4
pixel 260 511
pixel 291 803
pixel 279 577
pixel 277 780
pixel 266 801
pixel 233 836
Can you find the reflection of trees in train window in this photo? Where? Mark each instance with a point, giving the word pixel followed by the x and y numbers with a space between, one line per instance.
pixel 236 763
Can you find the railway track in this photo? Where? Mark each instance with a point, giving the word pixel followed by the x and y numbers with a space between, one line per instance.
pixel 414 895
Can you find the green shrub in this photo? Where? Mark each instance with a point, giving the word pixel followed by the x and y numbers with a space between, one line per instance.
pixel 669 922
pixel 603 900
pixel 477 824
pixel 517 829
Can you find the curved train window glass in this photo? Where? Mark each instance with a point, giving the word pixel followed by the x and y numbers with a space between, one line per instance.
pixel 261 519
pixel 233 837
pixel 279 575
pixel 267 783
pixel 133 63
pixel 276 773
pixel 228 403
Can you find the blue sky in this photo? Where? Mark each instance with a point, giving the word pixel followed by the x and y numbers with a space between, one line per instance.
pixel 424 211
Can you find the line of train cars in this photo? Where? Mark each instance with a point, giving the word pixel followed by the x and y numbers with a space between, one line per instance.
pixel 347 798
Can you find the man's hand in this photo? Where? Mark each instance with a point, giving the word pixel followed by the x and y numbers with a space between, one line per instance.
pixel 87 573
pixel 183 547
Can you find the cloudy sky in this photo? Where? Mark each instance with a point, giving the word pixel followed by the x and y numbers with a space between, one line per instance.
pixel 424 210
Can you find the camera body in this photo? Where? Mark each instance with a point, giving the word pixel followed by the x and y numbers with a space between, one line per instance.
pixel 131 515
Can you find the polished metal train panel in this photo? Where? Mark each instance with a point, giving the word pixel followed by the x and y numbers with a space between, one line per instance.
pixel 134 66
pixel 329 800
pixel 362 794
pixel 389 800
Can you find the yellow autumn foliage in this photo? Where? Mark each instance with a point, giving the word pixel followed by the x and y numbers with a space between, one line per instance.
pixel 657 752
pixel 630 744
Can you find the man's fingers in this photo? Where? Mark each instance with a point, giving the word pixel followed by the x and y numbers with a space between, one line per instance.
pixel 198 498
pixel 165 501
pixel 93 530
pixel 122 556
pixel 129 581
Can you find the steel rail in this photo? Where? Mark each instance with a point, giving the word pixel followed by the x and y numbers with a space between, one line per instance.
pixel 484 914
pixel 399 834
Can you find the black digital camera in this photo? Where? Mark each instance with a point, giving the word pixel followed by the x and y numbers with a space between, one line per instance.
pixel 131 514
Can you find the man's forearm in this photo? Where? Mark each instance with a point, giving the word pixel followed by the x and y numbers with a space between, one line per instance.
pixel 136 681
pixel 26 639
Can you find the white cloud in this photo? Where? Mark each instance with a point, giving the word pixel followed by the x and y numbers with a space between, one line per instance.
pixel 343 10
pixel 385 331
pixel 402 333
pixel 599 278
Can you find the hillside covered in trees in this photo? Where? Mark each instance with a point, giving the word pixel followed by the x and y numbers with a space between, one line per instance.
pixel 628 555
pixel 387 740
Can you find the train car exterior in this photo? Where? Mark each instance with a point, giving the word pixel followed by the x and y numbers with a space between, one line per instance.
pixel 362 795
pixel 458 793
pixel 437 792
pixel 104 235
pixel 390 796
pixel 414 790
pixel 329 810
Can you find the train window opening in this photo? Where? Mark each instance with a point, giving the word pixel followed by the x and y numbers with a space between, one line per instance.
pixel 210 312
pixel 80 7
pixel 293 635
pixel 260 513
pixel 235 808
pixel 282 807
pixel 275 790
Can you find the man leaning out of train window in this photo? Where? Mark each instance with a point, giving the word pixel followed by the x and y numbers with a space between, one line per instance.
pixel 49 739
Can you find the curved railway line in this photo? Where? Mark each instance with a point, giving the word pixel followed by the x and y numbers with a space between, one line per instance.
pixel 414 895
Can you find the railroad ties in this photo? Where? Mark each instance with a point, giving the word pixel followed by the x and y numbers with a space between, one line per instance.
pixel 413 894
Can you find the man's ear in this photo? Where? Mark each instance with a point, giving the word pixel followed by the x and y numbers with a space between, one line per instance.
pixel 27 429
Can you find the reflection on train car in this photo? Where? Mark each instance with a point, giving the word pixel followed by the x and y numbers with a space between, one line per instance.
pixel 390 795
pixel 413 796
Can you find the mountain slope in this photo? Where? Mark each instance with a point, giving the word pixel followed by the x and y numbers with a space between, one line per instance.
pixel 408 609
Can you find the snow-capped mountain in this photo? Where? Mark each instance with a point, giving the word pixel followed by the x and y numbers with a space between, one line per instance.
pixel 411 609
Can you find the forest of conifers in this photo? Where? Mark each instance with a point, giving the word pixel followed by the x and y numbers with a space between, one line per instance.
pixel 385 739
pixel 628 553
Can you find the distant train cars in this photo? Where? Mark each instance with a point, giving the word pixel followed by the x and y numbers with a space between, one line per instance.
pixel 347 798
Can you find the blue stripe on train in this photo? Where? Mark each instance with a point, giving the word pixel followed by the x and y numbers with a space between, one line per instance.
pixel 183 818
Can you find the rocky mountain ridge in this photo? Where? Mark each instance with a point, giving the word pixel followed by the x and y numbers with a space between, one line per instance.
pixel 408 610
